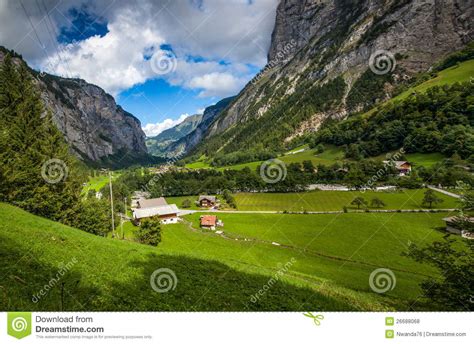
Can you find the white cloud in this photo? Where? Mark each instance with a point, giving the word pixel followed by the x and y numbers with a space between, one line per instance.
pixel 235 31
pixel 216 84
pixel 153 129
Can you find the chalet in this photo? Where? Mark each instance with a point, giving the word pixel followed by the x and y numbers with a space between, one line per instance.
pixel 166 213
pixel 452 226
pixel 207 201
pixel 151 203
pixel 403 167
pixel 209 221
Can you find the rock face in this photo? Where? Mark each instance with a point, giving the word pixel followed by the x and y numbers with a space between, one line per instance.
pixel 92 123
pixel 315 42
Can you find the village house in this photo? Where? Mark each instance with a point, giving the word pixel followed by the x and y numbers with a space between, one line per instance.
pixel 210 222
pixel 207 201
pixel 166 213
pixel 403 167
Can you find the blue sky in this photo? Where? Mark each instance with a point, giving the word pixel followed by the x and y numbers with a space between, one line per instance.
pixel 161 60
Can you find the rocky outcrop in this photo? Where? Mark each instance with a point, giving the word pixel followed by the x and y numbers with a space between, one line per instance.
pixel 92 123
pixel 317 41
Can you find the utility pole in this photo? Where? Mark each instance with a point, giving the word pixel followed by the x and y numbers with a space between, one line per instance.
pixel 112 204
pixel 125 214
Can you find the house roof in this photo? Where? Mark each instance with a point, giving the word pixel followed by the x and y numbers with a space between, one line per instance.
pixel 170 209
pixel 208 220
pixel 209 198
pixel 397 164
pixel 153 202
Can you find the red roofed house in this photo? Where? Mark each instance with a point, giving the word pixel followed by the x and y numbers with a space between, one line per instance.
pixel 209 222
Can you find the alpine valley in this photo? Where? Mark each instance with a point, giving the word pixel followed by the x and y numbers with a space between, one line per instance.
pixel 336 174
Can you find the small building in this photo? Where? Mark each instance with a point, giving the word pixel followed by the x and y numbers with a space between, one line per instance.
pixel 403 167
pixel 166 213
pixel 207 201
pixel 209 221
pixel 151 203
pixel 452 225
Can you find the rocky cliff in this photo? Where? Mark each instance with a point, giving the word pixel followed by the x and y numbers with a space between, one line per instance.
pixel 92 123
pixel 330 58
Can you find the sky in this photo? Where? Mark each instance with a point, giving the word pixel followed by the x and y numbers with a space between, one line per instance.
pixel 162 60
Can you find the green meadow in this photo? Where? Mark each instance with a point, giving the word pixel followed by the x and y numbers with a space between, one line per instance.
pixel 329 259
pixel 98 182
pixel 336 200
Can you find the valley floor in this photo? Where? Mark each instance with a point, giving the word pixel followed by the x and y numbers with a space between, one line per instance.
pixel 300 262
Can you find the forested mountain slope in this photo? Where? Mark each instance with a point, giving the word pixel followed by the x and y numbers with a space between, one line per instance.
pixel 329 59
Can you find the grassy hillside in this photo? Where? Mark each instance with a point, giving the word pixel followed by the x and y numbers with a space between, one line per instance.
pixel 461 72
pixel 214 272
pixel 111 274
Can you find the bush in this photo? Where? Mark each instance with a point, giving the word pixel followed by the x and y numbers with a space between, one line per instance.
pixel 186 204
pixel 149 232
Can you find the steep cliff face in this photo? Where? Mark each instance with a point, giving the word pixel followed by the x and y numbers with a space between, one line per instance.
pixel 92 123
pixel 330 58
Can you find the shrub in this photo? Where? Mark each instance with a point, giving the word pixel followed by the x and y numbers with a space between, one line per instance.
pixel 149 232
pixel 186 203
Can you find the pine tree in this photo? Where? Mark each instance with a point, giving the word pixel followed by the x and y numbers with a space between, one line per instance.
pixel 36 164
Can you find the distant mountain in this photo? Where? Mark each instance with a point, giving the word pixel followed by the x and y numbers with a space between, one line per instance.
pixel 189 141
pixel 159 144
pixel 96 128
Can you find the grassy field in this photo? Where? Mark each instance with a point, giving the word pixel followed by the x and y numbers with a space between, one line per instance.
pixel 331 155
pixel 178 200
pixel 331 256
pixel 426 160
pixel 417 159
pixel 355 237
pixel 98 182
pixel 334 200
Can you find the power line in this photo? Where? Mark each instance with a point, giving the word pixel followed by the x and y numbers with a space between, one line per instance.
pixel 32 26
